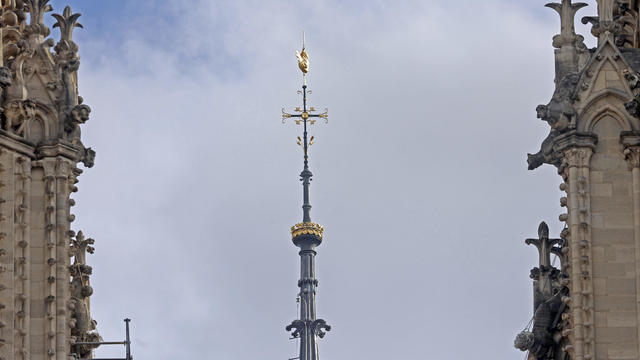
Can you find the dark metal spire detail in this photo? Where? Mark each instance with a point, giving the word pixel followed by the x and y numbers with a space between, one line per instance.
pixel 307 235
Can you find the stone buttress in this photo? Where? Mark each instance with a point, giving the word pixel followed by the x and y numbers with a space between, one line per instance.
pixel 44 279
pixel 591 299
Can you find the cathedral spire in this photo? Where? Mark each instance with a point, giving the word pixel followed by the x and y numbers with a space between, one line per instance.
pixel 306 235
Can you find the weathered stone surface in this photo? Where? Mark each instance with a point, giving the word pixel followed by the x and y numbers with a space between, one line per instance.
pixel 43 302
pixel 594 142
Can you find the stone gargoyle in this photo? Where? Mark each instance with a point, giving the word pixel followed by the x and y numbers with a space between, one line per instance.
pixel 633 106
pixel 560 114
pixel 78 115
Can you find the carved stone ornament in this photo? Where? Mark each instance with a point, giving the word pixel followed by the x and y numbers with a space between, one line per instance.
pixel 83 326
pixel 78 115
pixel 41 113
pixel 66 49
pixel 13 19
pixel 617 17
pixel 542 341
pixel 5 76
pixel 626 15
pixel 36 10
pixel 632 155
pixel 561 116
pixel 578 157
pixel 88 158
pixel 633 79
pixel 567 36
pixel 17 114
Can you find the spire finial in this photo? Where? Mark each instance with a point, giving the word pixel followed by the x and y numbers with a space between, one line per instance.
pixel 306 235
pixel 303 60
pixel 306 116
pixel 567 11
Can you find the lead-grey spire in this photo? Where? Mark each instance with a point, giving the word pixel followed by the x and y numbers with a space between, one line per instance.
pixel 307 235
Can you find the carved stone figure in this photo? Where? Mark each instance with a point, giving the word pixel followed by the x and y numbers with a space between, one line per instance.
pixel 633 79
pixel 78 116
pixel 618 17
pixel 17 114
pixel 626 15
pixel 561 116
pixel 88 157
pixel 540 340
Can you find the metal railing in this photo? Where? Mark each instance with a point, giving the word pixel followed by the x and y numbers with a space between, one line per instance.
pixel 126 343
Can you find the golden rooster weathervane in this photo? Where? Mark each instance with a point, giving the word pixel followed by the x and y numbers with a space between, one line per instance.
pixel 303 58
pixel 306 115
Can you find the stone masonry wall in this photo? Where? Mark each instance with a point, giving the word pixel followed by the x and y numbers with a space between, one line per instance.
pixel 614 252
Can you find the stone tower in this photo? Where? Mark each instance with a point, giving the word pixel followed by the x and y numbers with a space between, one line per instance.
pixel 587 306
pixel 307 235
pixel 44 278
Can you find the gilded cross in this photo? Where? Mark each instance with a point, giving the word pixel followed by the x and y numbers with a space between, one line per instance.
pixel 305 116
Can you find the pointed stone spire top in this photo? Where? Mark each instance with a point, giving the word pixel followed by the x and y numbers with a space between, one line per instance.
pixel 567 11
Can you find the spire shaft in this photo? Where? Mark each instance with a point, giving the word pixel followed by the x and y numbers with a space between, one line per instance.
pixel 306 174
pixel 307 235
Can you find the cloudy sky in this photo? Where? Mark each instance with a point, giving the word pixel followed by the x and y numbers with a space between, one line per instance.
pixel 420 175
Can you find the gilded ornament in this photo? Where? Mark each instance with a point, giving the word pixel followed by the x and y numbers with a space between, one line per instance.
pixel 307 229
pixel 303 60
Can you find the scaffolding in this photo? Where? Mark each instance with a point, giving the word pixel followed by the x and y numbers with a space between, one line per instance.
pixel 126 343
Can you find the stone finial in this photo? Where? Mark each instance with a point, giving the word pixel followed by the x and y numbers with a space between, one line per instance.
pixel 66 49
pixel 605 10
pixel 37 9
pixel 567 11
pixel 80 246
pixel 67 22
pixel 605 22
pixel 544 245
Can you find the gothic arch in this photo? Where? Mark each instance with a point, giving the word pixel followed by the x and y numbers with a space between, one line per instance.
pixel 46 119
pixel 609 103
pixel 36 130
